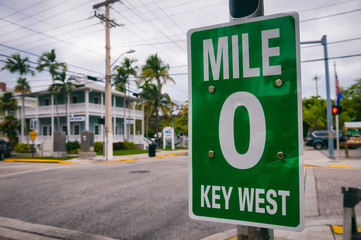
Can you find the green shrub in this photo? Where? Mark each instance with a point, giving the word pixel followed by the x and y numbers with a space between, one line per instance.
pixel 98 146
pixel 23 148
pixel 74 151
pixel 129 145
pixel 70 146
pixel 118 146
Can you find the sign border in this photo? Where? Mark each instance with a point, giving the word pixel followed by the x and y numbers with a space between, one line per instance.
pixel 301 226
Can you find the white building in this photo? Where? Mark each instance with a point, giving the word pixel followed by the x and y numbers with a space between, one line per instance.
pixel 86 104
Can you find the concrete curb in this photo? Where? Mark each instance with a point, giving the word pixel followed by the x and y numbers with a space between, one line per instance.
pixel 19 230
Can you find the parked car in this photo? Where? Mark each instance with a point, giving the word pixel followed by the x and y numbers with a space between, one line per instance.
pixel 319 139
pixel 5 149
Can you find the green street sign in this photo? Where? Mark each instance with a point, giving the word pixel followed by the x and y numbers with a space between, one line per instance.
pixel 245 125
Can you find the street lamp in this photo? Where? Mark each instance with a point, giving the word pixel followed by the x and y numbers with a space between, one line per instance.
pixel 108 99
pixel 129 51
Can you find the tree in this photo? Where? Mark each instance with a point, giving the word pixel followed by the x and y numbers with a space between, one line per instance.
pixel 181 121
pixel 121 79
pixel 64 85
pixel 7 103
pixel 48 60
pixel 149 96
pixel 22 66
pixel 351 101
pixel 23 87
pixel 314 113
pixel 9 127
pixel 155 70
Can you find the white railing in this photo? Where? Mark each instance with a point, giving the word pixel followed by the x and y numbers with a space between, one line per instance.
pixel 79 109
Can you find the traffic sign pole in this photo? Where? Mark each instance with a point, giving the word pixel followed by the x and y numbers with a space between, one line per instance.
pixel 237 12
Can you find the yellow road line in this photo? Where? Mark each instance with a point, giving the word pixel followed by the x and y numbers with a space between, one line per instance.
pixel 338 229
pixel 37 160
pixel 169 155
pixel 339 165
pixel 138 159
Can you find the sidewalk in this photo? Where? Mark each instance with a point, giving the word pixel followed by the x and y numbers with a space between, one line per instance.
pixel 100 158
pixel 317 225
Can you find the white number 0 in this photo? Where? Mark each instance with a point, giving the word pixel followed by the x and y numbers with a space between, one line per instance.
pixel 257 130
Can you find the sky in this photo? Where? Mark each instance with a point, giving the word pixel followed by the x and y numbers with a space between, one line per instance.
pixel 32 27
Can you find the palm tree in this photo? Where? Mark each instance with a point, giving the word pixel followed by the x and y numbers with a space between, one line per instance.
pixel 22 66
pixel 149 95
pixel 23 87
pixel 155 70
pixel 48 60
pixel 9 127
pixel 7 103
pixel 121 81
pixel 65 85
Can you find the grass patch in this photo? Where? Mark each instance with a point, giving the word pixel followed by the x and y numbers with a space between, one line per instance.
pixel 176 148
pixel 126 152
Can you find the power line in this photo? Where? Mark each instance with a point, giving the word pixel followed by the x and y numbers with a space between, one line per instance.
pixel 326 6
pixel 332 15
pixel 36 55
pixel 340 41
pixel 330 58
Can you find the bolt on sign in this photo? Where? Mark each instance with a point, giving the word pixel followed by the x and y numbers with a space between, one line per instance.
pixel 246 165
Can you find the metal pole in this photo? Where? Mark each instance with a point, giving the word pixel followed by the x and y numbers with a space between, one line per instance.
pixel 329 106
pixel 238 10
pixel 108 91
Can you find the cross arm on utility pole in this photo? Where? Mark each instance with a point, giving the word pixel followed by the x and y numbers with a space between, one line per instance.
pixel 96 6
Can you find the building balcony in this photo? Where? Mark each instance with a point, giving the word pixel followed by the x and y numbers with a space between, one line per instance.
pixel 80 109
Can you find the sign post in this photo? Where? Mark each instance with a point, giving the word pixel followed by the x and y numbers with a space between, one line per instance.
pixel 245 124
pixel 33 135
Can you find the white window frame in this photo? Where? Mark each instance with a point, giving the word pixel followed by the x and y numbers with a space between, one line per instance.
pixel 62 128
pixel 96 126
pixel 74 125
pixel 97 101
pixel 48 130
pixel 47 98
pixel 72 99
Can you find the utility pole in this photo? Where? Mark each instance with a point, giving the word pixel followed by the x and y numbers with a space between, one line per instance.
pixel 108 86
pixel 316 78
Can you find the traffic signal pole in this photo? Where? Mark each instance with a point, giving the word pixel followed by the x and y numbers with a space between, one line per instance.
pixel 328 96
pixel 238 10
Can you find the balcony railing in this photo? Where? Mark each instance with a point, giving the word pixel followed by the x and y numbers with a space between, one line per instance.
pixel 80 109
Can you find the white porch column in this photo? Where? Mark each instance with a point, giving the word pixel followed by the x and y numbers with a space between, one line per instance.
pixel 52 117
pixel 142 119
pixel 114 118
pixel 67 117
pixel 102 115
pixel 87 110
pixel 134 128
pixel 37 115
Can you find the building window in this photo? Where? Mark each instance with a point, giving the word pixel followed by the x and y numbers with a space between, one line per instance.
pixel 46 101
pixel 46 130
pixel 96 100
pixel 64 129
pixel 96 129
pixel 74 99
pixel 76 129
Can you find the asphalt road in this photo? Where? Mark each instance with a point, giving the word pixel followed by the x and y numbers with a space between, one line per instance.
pixel 131 200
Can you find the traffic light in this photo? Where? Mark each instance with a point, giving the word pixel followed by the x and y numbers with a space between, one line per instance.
pixel 101 120
pixel 336 110
pixel 250 8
